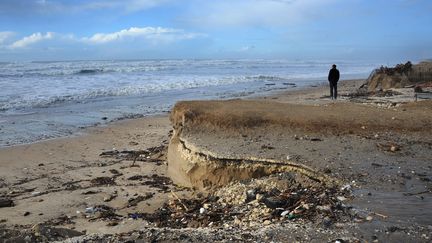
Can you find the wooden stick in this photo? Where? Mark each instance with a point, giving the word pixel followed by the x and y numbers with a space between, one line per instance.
pixel 381 215
pixel 177 197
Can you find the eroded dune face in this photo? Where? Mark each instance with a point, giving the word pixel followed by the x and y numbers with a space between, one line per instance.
pixel 400 76
pixel 192 165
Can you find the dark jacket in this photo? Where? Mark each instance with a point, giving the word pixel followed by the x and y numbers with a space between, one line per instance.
pixel 333 76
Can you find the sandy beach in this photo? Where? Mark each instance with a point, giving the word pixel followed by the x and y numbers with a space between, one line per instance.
pixel 107 183
pixel 215 121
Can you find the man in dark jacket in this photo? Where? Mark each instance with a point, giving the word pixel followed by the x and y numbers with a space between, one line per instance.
pixel 333 78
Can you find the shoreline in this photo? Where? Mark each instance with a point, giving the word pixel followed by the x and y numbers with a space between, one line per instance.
pixel 57 183
pixel 118 122
pixel 129 88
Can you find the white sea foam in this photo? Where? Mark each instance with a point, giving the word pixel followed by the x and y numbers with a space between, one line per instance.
pixel 41 84
pixel 40 100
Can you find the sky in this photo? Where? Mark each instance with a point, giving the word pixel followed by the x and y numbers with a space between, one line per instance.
pixel 384 30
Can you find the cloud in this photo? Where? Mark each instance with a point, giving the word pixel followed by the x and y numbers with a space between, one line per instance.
pixel 255 12
pixel 31 39
pixel 5 36
pixel 133 35
pixel 149 33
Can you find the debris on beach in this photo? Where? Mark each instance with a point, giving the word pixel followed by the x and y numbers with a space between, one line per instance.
pixel 136 178
pixel 161 183
pixel 37 233
pixel 361 93
pixel 115 172
pixel 389 147
pixel 6 202
pixel 104 180
pixel 101 212
pixel 134 201
pixel 254 203
pixel 154 154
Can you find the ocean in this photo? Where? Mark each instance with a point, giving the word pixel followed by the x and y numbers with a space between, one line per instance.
pixel 43 100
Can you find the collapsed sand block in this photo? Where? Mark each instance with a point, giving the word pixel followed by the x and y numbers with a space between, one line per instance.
pixel 192 165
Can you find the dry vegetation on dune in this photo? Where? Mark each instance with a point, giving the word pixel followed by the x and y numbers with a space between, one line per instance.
pixel 339 118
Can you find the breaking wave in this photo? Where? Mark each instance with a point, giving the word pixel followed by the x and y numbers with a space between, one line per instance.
pixel 132 89
pixel 42 84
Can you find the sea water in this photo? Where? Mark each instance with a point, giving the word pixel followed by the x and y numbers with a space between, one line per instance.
pixel 42 100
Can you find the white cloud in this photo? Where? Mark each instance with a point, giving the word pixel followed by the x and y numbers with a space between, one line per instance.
pixel 133 36
pixel 31 39
pixel 149 33
pixel 255 12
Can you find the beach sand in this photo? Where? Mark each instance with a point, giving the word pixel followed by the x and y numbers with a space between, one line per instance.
pixel 383 156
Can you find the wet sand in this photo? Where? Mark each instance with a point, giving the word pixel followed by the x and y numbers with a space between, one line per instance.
pixel 59 182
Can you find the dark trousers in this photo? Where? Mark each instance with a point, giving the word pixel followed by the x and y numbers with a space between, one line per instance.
pixel 333 90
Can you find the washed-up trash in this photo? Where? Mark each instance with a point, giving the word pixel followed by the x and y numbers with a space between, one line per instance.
pixel 90 210
pixel 253 203
pixel 292 216
pixel 346 187
pixel 100 211
pixel 250 195
pixel 339 241
pixel 135 215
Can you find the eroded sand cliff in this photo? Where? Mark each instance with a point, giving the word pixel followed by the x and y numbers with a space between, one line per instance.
pixel 193 164
pixel 400 76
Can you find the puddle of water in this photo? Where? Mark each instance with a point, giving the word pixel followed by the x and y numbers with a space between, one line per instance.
pixel 397 206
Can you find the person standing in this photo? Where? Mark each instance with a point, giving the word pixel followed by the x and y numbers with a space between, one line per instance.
pixel 333 78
